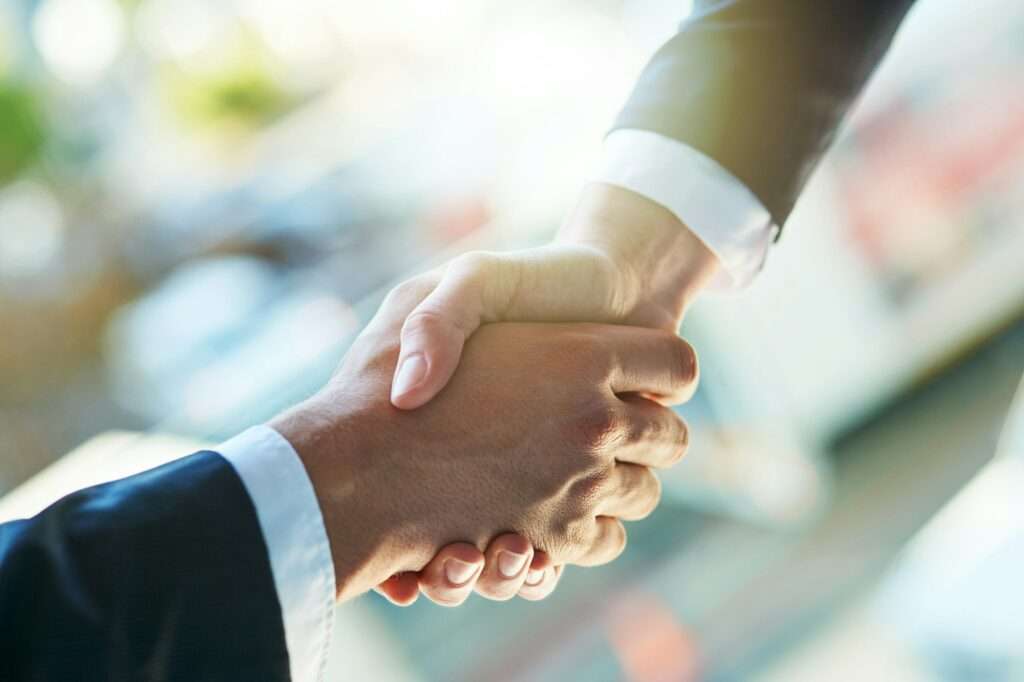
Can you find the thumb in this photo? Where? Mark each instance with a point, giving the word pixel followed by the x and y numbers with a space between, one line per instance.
pixel 436 330
pixel 559 283
pixel 401 589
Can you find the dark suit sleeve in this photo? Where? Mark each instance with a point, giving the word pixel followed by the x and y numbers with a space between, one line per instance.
pixel 762 85
pixel 161 576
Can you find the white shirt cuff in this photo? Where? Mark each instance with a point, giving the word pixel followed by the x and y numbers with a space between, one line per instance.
pixel 300 553
pixel 708 199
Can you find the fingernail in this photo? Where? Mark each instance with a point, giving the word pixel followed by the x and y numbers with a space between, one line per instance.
pixel 534 577
pixel 410 373
pixel 458 572
pixel 509 564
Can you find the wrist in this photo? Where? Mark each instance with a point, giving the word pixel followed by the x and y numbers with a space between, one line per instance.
pixel 364 538
pixel 661 263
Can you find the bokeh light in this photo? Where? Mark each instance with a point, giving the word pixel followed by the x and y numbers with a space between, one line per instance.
pixel 79 39
pixel 31 229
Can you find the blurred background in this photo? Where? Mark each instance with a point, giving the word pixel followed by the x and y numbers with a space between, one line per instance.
pixel 202 202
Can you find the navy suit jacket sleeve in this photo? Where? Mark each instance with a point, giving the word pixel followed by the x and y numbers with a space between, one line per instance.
pixel 161 576
pixel 762 85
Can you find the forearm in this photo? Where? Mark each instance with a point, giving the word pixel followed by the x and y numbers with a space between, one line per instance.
pixel 760 86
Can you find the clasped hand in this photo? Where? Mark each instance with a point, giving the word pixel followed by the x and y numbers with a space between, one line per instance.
pixel 539 445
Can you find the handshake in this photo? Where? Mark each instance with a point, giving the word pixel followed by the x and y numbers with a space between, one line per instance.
pixel 449 454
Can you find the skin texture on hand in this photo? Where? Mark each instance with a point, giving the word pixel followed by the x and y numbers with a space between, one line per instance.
pixel 619 258
pixel 542 433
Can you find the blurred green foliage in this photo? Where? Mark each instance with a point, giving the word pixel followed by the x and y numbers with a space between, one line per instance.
pixel 245 96
pixel 22 129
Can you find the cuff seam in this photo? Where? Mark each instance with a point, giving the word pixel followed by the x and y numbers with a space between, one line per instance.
pixel 716 206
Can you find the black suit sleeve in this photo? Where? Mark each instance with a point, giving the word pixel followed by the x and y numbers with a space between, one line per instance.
pixel 161 576
pixel 762 85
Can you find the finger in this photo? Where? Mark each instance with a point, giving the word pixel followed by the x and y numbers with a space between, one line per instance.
pixel 634 492
pixel 609 541
pixel 401 301
pixel 450 576
pixel 656 435
pixel 401 589
pixel 555 283
pixel 436 330
pixel 541 579
pixel 546 586
pixel 652 362
pixel 508 559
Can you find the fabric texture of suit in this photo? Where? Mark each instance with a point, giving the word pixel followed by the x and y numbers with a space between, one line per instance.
pixel 761 86
pixel 161 576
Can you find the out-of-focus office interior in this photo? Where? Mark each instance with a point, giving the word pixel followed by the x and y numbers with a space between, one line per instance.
pixel 201 203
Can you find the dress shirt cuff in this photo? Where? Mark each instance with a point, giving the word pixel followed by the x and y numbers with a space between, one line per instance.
pixel 708 199
pixel 300 554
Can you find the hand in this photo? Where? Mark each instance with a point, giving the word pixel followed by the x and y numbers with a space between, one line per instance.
pixel 620 258
pixel 443 580
pixel 543 433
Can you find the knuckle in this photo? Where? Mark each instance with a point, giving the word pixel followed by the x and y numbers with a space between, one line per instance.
pixel 483 282
pixel 599 428
pixel 409 292
pixel 425 320
pixel 473 265
pixel 588 490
